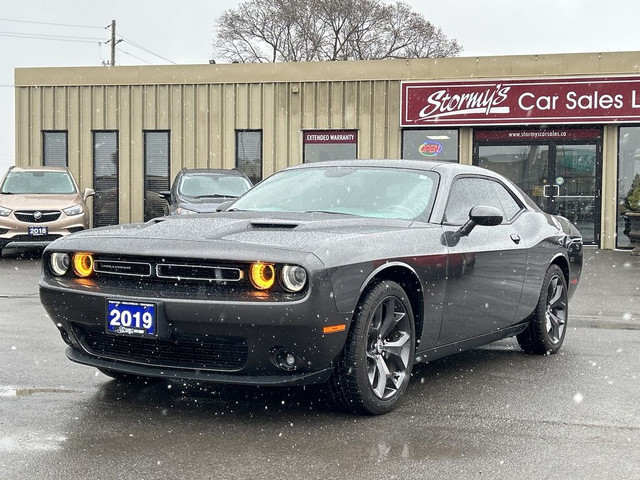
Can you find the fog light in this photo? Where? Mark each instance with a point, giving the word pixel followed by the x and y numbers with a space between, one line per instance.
pixel 285 359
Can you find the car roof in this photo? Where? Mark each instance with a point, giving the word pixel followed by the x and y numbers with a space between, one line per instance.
pixel 37 169
pixel 444 168
pixel 204 171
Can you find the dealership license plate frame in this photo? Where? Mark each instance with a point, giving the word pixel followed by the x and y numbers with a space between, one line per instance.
pixel 129 318
pixel 37 230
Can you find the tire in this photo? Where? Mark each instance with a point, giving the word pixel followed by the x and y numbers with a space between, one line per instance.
pixel 375 366
pixel 126 377
pixel 547 326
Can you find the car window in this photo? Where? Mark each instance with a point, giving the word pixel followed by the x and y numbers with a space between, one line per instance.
pixel 367 192
pixel 38 182
pixel 468 192
pixel 212 185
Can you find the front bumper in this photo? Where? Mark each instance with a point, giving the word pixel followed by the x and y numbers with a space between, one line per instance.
pixel 232 342
pixel 14 234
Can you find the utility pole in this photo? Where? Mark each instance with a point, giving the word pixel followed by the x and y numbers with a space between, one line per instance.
pixel 113 42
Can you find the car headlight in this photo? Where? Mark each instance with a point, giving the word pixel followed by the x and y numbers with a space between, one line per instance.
pixel 293 278
pixel 71 211
pixel 184 211
pixel 5 212
pixel 83 264
pixel 262 275
pixel 59 263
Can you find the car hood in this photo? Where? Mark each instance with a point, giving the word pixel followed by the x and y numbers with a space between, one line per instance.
pixel 39 201
pixel 242 236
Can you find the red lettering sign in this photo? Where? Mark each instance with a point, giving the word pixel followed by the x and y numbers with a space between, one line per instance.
pixel 518 102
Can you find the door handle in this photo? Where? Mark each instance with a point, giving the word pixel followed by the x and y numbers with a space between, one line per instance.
pixel 545 191
pixel 557 189
pixel 516 238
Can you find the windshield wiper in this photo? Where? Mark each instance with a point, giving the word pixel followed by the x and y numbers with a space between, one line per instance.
pixel 219 195
pixel 330 212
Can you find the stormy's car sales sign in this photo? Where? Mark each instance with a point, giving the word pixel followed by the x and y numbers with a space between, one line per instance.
pixel 496 102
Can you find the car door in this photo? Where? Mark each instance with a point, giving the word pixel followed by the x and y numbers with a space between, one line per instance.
pixel 485 268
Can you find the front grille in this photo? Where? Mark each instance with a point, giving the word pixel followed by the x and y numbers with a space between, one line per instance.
pixel 166 269
pixel 198 272
pixel 38 239
pixel 127 268
pixel 207 352
pixel 37 216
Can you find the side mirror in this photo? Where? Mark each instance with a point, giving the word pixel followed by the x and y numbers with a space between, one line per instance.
pixel 88 192
pixel 166 194
pixel 481 215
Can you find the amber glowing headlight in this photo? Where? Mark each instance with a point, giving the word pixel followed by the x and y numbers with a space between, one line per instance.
pixel 82 264
pixel 59 263
pixel 263 275
pixel 293 278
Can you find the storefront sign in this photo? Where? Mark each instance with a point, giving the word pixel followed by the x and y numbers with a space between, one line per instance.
pixel 430 148
pixel 548 134
pixel 330 136
pixel 517 102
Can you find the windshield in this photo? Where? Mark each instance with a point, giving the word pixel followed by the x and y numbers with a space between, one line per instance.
pixel 38 182
pixel 362 191
pixel 212 185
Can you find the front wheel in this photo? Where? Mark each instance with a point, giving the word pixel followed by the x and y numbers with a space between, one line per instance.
pixel 547 327
pixel 376 364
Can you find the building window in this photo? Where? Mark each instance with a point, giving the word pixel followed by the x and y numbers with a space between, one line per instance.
pixel 430 144
pixel 54 149
pixel 156 172
pixel 321 145
pixel 628 176
pixel 249 153
pixel 105 178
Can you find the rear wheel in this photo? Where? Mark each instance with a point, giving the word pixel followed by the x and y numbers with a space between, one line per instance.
pixel 376 364
pixel 547 327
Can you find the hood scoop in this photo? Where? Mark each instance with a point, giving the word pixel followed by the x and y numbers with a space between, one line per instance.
pixel 272 225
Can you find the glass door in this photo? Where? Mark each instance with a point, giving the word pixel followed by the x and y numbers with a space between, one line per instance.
pixel 561 176
pixel 571 188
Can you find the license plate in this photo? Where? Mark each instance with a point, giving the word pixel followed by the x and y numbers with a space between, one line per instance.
pixel 133 319
pixel 37 231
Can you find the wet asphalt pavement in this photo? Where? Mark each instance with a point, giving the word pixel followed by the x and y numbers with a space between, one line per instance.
pixel 492 412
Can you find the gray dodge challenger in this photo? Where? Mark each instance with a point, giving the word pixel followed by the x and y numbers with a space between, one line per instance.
pixel 345 273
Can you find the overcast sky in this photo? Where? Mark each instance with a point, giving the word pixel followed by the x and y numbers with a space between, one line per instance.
pixel 164 32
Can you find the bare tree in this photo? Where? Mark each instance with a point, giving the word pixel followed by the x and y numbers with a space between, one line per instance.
pixel 303 30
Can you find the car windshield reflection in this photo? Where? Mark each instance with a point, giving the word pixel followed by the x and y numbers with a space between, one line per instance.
pixel 366 192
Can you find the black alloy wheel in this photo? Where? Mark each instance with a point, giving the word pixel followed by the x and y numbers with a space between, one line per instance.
pixel 548 324
pixel 376 365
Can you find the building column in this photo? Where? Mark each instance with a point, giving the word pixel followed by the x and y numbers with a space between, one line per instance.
pixel 608 207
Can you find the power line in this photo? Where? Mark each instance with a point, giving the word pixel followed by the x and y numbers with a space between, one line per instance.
pixel 59 38
pixel 77 39
pixel 132 55
pixel 48 23
pixel 145 49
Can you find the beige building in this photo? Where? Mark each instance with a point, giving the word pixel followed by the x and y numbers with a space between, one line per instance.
pixel 565 128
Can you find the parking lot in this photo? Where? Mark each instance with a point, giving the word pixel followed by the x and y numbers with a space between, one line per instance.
pixel 492 412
